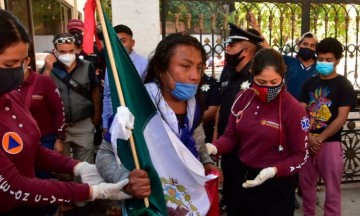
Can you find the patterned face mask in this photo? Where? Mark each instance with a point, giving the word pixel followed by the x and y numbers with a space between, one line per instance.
pixel 267 93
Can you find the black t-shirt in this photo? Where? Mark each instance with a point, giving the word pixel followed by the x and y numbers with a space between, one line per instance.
pixel 210 93
pixel 229 89
pixel 323 98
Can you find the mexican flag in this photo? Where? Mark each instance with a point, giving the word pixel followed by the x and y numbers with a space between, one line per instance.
pixel 178 180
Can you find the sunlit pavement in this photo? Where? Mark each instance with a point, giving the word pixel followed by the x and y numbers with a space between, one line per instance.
pixel 350 200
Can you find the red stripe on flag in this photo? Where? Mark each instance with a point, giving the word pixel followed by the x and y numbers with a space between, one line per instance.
pixel 89 10
pixel 213 194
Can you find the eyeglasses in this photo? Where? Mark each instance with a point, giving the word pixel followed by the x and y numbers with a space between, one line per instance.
pixel 64 40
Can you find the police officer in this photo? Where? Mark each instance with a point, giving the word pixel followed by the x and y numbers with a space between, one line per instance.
pixel 210 92
pixel 240 48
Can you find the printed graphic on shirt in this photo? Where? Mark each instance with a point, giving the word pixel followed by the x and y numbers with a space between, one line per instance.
pixel 37 97
pixel 12 143
pixel 305 123
pixel 318 108
pixel 270 124
pixel 57 92
pixel 24 196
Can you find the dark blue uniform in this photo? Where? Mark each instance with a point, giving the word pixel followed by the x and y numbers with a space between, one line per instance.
pixel 210 89
pixel 229 162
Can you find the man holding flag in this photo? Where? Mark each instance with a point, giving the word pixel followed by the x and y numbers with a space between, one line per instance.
pixel 163 136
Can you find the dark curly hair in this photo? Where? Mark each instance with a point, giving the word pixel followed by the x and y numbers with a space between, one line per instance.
pixel 330 45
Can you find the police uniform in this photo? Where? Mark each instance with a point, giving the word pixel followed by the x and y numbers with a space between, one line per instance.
pixel 21 153
pixel 231 83
pixel 210 91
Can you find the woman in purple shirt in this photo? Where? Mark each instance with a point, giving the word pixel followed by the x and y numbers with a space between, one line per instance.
pixel 270 128
pixel 21 193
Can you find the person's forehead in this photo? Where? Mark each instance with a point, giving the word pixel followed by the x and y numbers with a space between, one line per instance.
pixel 15 52
pixel 187 52
pixel 327 55
pixel 123 35
pixel 65 46
pixel 308 40
pixel 236 43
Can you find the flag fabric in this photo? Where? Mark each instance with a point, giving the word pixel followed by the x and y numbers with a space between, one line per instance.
pixel 89 28
pixel 177 178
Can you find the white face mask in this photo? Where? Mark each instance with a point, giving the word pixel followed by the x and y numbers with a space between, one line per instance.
pixel 67 59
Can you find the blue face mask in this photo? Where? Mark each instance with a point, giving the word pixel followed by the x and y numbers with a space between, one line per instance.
pixel 324 68
pixel 183 91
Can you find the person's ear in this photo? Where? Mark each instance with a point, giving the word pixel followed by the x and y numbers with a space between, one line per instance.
pixel 337 62
pixel 27 61
pixel 132 43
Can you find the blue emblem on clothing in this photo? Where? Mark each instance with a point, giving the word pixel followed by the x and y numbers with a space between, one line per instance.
pixel 305 123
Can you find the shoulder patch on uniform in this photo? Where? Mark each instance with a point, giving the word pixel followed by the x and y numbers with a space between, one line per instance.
pixel 305 123
pixel 245 85
pixel 12 143
pixel 205 87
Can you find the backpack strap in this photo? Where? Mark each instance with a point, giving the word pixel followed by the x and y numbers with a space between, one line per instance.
pixel 71 82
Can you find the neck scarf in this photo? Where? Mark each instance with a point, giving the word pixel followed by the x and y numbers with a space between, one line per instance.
pixel 184 132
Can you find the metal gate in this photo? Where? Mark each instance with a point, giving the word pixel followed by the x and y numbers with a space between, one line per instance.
pixel 282 23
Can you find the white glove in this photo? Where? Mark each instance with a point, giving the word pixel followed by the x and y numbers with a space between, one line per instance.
pixel 122 124
pixel 211 149
pixel 88 173
pixel 264 175
pixel 110 191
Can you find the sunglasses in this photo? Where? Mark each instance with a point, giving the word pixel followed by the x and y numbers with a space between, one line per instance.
pixel 64 40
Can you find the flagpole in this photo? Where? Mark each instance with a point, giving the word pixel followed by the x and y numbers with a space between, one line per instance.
pixel 117 83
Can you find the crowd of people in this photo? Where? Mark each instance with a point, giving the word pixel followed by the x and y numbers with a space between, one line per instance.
pixel 273 120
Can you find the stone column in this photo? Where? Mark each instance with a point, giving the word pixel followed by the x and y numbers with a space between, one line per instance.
pixel 143 17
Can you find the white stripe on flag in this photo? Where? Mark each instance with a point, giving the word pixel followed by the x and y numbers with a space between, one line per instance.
pixel 183 176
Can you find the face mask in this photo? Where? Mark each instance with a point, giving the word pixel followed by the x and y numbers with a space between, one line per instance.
pixel 183 91
pixel 67 59
pixel 266 93
pixel 306 53
pixel 325 68
pixel 11 78
pixel 234 60
pixel 78 38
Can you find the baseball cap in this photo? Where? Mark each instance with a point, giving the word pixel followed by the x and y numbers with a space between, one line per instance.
pixel 308 35
pixel 75 24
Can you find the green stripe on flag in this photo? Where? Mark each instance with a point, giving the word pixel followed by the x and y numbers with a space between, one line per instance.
pixel 141 106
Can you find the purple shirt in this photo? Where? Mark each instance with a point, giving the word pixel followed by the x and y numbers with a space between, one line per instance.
pixel 257 133
pixel 21 153
pixel 46 105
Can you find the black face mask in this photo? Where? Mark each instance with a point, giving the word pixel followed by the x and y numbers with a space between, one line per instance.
pixel 306 53
pixel 78 38
pixel 11 78
pixel 234 60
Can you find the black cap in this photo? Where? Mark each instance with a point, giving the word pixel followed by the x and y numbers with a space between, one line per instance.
pixel 238 34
